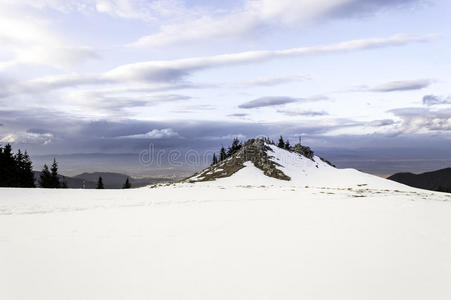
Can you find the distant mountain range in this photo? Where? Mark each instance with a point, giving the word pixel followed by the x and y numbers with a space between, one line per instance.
pixel 110 180
pixel 439 180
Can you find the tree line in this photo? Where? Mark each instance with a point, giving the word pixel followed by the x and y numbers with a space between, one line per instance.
pixel 237 145
pixel 224 154
pixel 16 170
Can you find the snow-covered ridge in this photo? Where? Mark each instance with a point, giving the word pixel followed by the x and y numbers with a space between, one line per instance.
pixel 298 170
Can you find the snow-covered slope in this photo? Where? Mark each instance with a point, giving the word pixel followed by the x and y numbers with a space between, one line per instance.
pixel 193 241
pixel 326 233
pixel 303 171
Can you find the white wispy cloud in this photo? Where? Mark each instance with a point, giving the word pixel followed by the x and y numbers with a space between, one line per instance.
pixel 403 85
pixel 267 101
pixel 253 15
pixel 175 71
pixel 28 38
pixel 300 112
pixel 270 81
pixel 153 134
pixel 423 120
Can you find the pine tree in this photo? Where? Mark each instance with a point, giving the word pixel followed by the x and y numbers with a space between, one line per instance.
pixel 222 154
pixel 100 183
pixel 236 145
pixel 215 159
pixel 45 179
pixel 2 167
pixel 55 181
pixel 281 143
pixel 28 175
pixel 16 170
pixel 287 145
pixel 8 174
pixel 127 184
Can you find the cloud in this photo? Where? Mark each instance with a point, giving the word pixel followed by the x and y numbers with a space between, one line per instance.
pixel 270 81
pixel 255 15
pixel 381 123
pixel 78 135
pixel 153 134
pixel 431 100
pixel 423 120
pixel 297 112
pixel 28 38
pixel 267 101
pixel 194 108
pixel 238 115
pixel 9 138
pixel 278 100
pixel 406 85
pixel 97 100
pixel 28 138
pixel 167 73
pixel 178 69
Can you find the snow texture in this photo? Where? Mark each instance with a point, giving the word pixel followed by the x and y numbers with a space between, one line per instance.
pixel 326 234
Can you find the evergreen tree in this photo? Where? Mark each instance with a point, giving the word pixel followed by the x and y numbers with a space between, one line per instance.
pixel 100 183
pixel 45 179
pixel 281 143
pixel 287 145
pixel 8 174
pixel 127 184
pixel 222 154
pixel 18 166
pixel 55 181
pixel 24 176
pixel 15 170
pixel 27 171
pixel 236 145
pixel 215 159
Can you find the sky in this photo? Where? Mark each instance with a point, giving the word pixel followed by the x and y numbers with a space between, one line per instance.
pixel 366 77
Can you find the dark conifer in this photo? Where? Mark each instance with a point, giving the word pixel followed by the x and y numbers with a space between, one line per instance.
pixel 236 145
pixel 45 179
pixel 222 154
pixel 127 184
pixel 100 183
pixel 27 175
pixel 287 145
pixel 215 159
pixel 55 181
pixel 281 143
pixel 8 176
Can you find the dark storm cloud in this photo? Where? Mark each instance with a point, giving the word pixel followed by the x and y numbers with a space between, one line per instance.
pixel 431 100
pixel 71 135
pixel 267 101
pixel 64 135
pixel 37 131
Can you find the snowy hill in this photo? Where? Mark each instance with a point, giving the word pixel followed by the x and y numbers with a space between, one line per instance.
pixel 324 233
pixel 260 162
